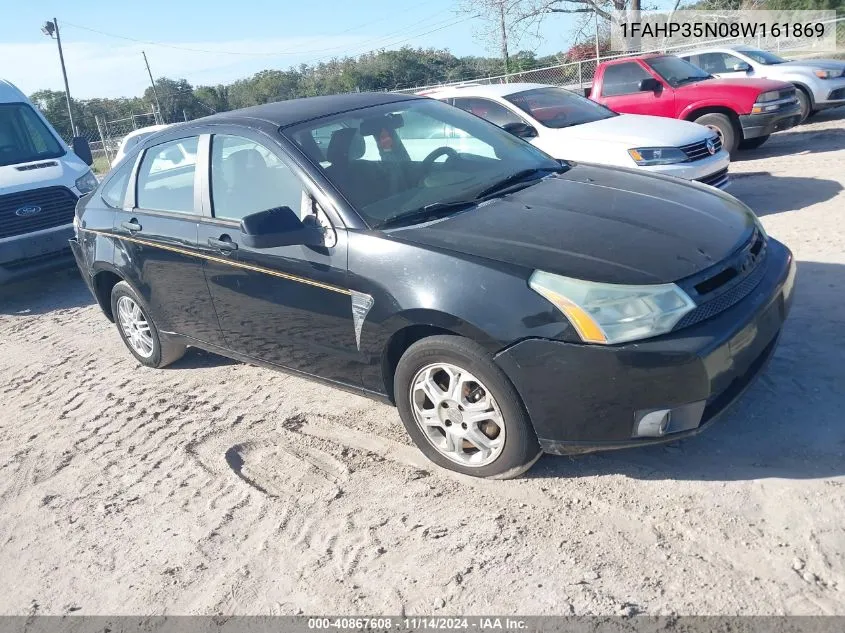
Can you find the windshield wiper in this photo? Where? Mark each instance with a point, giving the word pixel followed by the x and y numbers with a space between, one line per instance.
pixel 517 178
pixel 428 212
pixel 687 80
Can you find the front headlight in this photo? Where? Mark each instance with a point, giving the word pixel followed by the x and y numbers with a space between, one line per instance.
pixel 612 313
pixel 644 156
pixel 87 183
pixel 772 95
pixel 828 74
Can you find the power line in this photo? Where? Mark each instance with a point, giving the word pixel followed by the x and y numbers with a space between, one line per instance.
pixel 248 53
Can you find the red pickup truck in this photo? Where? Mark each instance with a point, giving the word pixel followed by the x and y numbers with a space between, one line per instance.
pixel 743 112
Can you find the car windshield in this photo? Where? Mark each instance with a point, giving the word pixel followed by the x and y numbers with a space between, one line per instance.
pixel 761 57
pixel 403 162
pixel 557 108
pixel 677 71
pixel 24 137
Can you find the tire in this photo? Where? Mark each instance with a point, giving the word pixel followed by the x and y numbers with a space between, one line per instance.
pixel 507 430
pixel 724 127
pixel 753 143
pixel 804 104
pixel 161 351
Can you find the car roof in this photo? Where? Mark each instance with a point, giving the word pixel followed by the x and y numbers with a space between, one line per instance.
pixel 9 93
pixel 142 131
pixel 293 111
pixel 718 49
pixel 481 90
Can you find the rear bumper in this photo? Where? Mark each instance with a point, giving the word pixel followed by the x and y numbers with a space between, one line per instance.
pixel 34 253
pixel 584 398
pixel 756 125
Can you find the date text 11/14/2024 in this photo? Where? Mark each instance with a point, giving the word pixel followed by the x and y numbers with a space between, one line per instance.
pixel 419 623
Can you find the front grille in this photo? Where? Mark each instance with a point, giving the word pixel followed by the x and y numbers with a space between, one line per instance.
pixel 721 287
pixel 839 93
pixel 56 207
pixel 716 179
pixel 725 300
pixel 699 150
pixel 786 93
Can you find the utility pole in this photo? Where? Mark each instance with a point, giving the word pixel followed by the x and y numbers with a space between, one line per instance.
pixel 598 54
pixel 504 37
pixel 48 29
pixel 153 84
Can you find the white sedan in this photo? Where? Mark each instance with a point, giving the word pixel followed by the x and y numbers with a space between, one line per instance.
pixel 570 127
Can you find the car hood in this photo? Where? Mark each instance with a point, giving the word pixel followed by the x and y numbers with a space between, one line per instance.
pixel 48 172
pixel 635 130
pixel 750 85
pixel 599 224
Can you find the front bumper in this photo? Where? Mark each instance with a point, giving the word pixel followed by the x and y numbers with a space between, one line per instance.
pixel 34 253
pixel 756 125
pixel 583 398
pixel 705 170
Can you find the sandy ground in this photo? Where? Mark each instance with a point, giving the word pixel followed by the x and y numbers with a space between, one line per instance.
pixel 217 487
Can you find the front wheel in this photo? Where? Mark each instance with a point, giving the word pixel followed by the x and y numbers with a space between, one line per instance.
pixel 139 331
pixel 753 143
pixel 804 105
pixel 462 411
pixel 724 128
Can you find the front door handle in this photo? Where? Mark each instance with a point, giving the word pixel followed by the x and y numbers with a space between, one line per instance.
pixel 224 244
pixel 132 226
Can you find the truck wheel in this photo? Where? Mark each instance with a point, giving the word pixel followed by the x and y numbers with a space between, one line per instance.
pixel 138 331
pixel 462 411
pixel 724 127
pixel 753 143
pixel 803 104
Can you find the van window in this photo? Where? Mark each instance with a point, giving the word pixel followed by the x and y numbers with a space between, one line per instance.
pixel 166 176
pixel 24 137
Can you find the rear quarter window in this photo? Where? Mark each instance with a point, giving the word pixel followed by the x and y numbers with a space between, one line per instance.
pixel 114 189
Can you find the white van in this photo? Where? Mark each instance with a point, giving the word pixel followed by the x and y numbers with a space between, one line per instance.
pixel 41 179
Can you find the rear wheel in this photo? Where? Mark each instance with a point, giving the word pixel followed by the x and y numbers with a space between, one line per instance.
pixel 462 411
pixel 753 143
pixel 724 128
pixel 138 330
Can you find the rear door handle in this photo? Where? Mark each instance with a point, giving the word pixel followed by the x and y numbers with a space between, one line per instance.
pixel 224 244
pixel 132 226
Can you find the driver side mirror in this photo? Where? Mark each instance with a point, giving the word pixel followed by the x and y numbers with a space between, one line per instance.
pixel 742 67
pixel 650 84
pixel 82 149
pixel 279 227
pixel 522 130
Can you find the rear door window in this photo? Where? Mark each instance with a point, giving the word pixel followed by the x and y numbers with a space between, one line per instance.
pixel 166 176
pixel 623 79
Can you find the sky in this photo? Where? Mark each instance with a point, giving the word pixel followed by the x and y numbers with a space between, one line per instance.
pixel 229 39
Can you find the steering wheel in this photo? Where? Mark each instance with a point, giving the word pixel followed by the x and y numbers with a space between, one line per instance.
pixel 428 161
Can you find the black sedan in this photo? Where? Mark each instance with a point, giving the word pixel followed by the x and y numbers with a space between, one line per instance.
pixel 505 302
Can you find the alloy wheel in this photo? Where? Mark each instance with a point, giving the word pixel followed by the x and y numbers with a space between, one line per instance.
pixel 457 414
pixel 135 326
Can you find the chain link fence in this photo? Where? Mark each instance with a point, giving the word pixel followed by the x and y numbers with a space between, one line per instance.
pixel 578 75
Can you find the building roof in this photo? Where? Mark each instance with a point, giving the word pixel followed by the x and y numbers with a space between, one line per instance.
pixel 285 113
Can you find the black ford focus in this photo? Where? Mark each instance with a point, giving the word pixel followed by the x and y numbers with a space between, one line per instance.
pixel 505 302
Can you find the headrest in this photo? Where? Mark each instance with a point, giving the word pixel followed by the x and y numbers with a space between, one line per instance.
pixel 345 144
pixel 374 126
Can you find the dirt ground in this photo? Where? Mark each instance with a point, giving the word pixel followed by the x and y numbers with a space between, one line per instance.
pixel 217 487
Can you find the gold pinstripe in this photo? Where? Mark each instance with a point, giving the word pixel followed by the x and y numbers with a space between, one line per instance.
pixel 220 260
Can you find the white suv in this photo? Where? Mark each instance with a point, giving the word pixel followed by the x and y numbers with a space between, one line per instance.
pixel 570 127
